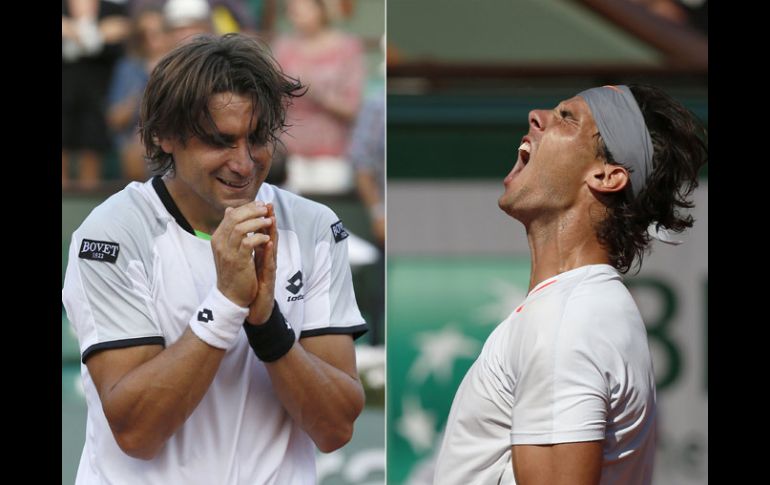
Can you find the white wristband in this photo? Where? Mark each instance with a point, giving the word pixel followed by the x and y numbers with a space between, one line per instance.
pixel 217 321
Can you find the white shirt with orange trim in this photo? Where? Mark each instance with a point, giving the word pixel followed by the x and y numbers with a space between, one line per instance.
pixel 570 364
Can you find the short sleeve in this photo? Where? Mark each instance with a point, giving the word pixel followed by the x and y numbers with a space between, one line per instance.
pixel 330 301
pixel 562 394
pixel 106 289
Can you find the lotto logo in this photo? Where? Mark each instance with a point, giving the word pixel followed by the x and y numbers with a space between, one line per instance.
pixel 295 283
pixel 205 315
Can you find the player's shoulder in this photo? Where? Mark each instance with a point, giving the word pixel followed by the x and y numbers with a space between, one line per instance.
pixel 128 213
pixel 601 304
pixel 294 209
pixel 600 288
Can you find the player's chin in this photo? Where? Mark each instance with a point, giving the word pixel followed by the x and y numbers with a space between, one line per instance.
pixel 504 202
pixel 507 204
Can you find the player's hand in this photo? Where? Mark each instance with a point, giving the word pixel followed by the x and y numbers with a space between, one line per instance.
pixel 233 248
pixel 265 263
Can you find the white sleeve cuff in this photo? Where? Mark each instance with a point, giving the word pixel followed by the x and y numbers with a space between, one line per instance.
pixel 218 320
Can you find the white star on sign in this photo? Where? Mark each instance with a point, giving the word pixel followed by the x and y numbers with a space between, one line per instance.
pixel 416 425
pixel 507 298
pixel 438 352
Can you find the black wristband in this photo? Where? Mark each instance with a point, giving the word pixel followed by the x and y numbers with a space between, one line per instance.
pixel 273 339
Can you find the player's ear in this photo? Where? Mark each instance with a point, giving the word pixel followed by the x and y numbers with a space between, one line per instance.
pixel 166 144
pixel 607 178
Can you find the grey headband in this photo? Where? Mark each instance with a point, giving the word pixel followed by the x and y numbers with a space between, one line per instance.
pixel 625 133
pixel 623 130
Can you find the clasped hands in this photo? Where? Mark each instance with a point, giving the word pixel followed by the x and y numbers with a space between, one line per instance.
pixel 245 254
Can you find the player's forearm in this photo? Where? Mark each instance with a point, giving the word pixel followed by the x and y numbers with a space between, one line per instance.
pixel 324 400
pixel 150 403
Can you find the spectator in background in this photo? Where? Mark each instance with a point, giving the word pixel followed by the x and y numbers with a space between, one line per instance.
pixel 264 13
pixel 331 64
pixel 147 45
pixel 367 154
pixel 92 33
pixel 226 15
pixel 232 16
pixel 187 18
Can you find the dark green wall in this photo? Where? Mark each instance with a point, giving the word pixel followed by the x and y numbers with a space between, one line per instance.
pixel 470 136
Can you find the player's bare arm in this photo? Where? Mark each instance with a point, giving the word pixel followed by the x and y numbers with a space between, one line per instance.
pixel 147 392
pixel 559 464
pixel 317 380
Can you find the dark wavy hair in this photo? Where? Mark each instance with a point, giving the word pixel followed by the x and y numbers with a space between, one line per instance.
pixel 176 99
pixel 680 146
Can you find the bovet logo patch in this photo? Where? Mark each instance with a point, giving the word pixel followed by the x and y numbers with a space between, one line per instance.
pixel 99 250
pixel 339 232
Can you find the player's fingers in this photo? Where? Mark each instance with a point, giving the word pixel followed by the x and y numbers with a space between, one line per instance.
pixel 241 230
pixel 258 258
pixel 273 230
pixel 234 216
pixel 252 242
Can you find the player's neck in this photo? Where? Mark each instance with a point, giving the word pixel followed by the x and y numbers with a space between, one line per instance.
pixel 562 244
pixel 196 211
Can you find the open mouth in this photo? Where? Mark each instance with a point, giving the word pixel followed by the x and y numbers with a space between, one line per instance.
pixel 524 150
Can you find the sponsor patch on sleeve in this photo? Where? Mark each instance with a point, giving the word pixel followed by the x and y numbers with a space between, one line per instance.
pixel 99 250
pixel 339 232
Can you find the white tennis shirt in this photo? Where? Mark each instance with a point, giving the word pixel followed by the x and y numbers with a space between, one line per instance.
pixel 570 364
pixel 135 275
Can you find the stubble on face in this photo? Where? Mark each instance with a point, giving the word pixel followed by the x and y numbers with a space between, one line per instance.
pixel 563 144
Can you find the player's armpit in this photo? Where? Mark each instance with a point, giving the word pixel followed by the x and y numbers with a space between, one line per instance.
pixel 559 464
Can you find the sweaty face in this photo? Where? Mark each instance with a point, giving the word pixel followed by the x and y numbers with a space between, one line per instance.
pixel 552 163
pixel 208 176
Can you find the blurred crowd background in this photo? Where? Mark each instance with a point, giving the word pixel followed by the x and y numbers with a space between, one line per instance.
pixel 334 151
pixel 462 77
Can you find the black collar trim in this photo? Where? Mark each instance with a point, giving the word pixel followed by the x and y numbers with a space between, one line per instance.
pixel 168 203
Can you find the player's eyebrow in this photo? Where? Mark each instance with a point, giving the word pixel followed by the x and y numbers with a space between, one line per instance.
pixel 228 138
